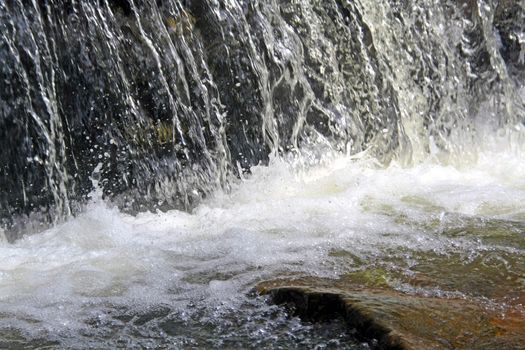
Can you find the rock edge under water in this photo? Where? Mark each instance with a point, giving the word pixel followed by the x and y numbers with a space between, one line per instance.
pixel 394 320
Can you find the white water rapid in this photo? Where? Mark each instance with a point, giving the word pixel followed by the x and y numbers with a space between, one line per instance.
pixel 90 280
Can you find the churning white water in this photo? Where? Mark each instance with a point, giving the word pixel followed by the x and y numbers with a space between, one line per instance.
pixel 180 278
pixel 169 97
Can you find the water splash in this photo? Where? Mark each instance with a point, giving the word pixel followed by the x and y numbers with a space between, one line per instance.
pixel 106 276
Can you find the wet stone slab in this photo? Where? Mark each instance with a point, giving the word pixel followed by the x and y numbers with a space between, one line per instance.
pixel 390 319
pixel 470 295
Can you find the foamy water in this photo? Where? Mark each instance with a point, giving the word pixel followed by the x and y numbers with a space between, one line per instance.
pixel 89 281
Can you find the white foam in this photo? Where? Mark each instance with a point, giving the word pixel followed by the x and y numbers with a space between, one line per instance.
pixel 277 221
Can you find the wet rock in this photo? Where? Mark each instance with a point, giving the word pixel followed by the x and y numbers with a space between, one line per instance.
pixel 395 320
pixel 424 299
pixel 509 21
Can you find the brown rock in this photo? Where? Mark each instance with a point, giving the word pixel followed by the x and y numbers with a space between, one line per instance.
pixel 403 321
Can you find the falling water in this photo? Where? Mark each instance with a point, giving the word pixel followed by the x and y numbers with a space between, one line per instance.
pixel 175 98
pixel 171 154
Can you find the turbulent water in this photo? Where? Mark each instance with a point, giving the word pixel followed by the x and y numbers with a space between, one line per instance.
pixel 183 280
pixel 158 159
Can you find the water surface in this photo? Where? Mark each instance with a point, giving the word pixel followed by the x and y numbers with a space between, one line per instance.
pixel 184 280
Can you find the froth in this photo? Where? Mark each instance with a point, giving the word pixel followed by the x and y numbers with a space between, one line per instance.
pixel 276 222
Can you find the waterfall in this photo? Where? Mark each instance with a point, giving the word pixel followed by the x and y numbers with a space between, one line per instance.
pixel 171 100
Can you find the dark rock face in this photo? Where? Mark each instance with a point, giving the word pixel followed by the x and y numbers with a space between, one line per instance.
pixel 167 100
pixel 509 20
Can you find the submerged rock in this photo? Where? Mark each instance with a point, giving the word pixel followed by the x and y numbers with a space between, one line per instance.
pixel 395 320
pixel 410 298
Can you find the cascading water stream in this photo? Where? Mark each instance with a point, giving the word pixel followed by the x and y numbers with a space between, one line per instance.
pixel 158 159
pixel 175 98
